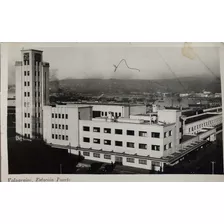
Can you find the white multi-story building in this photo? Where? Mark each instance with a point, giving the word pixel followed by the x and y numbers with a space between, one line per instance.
pixel 32 92
pixel 106 133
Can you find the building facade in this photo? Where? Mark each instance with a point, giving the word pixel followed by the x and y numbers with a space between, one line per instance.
pixel 32 92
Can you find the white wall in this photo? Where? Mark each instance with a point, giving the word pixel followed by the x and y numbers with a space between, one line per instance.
pixel 197 126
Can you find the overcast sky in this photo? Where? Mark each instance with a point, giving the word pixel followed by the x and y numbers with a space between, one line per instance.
pixel 96 61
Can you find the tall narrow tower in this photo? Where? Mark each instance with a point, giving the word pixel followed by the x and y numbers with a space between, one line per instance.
pixel 32 92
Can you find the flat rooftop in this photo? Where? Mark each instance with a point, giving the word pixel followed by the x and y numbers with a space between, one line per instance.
pixel 187 137
pixel 199 117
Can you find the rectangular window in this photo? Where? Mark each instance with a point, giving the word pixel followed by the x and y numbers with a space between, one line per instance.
pixel 86 139
pixel 119 114
pixel 28 72
pixel 170 145
pixel 63 116
pixel 59 126
pixel 96 129
pixel 66 116
pixel 56 116
pixel 105 113
pixel 24 83
pixel 154 163
pixel 118 131
pixel 130 160
pixel 28 83
pixel 59 115
pixel 97 155
pixel 86 128
pixel 102 113
pixel 130 144
pixel 28 114
pixel 53 136
pixel 25 114
pixel 56 136
pixel 165 134
pixel 96 140
pixel 28 125
pixel 28 94
pixel 63 126
pixel 142 133
pixel 165 147
pixel 24 73
pixel 130 132
pixel 86 153
pixel 107 130
pixel 107 156
pixel 155 134
pixel 115 114
pixel 118 143
pixel 142 146
pixel 155 147
pixel 107 142
pixel 38 104
pixel 25 94
pixel 63 137
pixel 59 137
pixel 52 125
pixel 52 115
pixel 67 137
pixel 56 126
pixel 25 125
pixel 142 161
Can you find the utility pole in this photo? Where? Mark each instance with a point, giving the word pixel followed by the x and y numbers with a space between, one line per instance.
pixel 213 167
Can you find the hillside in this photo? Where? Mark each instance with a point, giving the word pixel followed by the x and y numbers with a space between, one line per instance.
pixel 189 84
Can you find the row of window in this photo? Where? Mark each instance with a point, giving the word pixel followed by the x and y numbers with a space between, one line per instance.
pixel 60 116
pixel 120 132
pixel 60 126
pixel 116 114
pixel 168 146
pixel 28 115
pixel 201 125
pixel 106 156
pixel 60 137
pixel 26 94
pixel 27 125
pixel 26 73
pixel 120 143
pixel 167 134
pixel 27 135
pixel 26 83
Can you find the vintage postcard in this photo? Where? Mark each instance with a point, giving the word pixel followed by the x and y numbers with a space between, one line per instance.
pixel 113 110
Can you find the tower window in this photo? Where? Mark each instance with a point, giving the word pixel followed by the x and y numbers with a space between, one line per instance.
pixel 28 73
pixel 66 116
pixel 24 83
pixel 25 114
pixel 24 73
pixel 59 115
pixel 63 116
pixel 66 127
pixel 24 93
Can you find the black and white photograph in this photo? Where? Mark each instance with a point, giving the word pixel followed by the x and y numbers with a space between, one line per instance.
pixel 114 108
